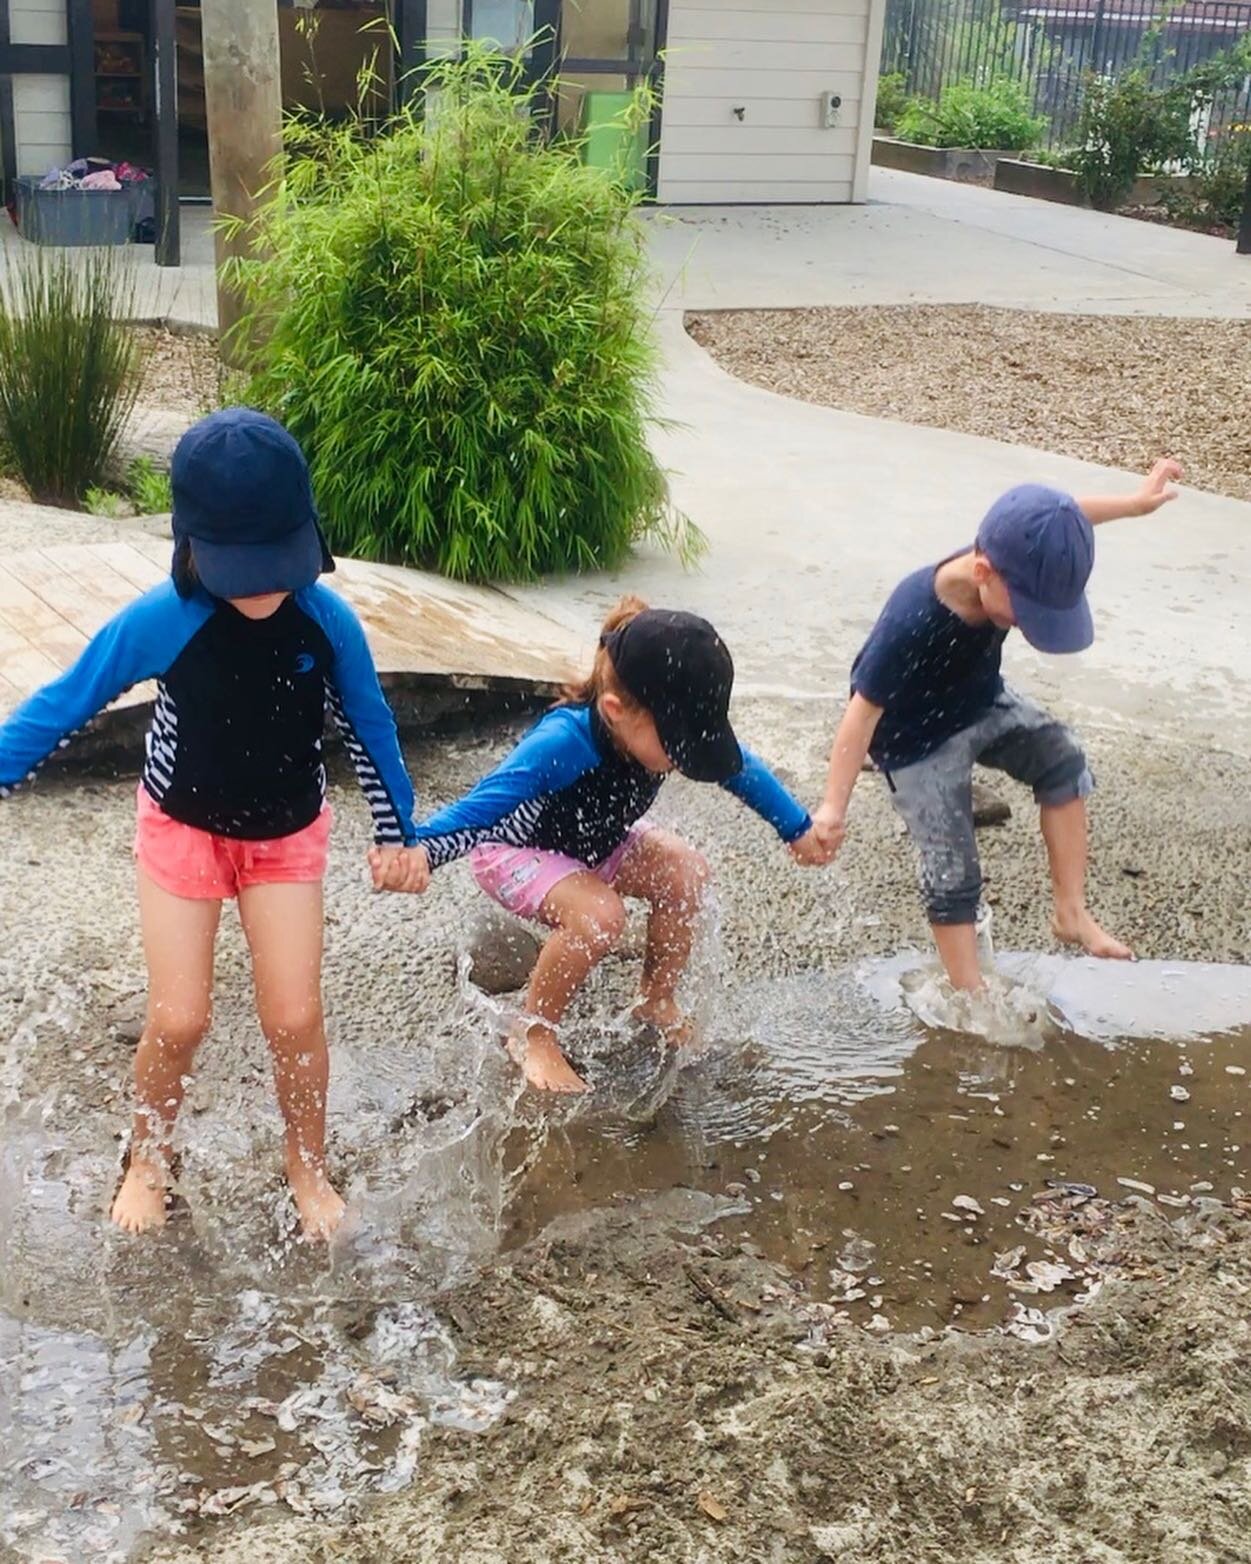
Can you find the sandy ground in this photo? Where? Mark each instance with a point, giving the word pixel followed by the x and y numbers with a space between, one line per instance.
pixel 679 1399
pixel 1116 390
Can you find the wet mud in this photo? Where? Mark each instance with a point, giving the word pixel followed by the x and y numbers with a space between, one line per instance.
pixel 663 1327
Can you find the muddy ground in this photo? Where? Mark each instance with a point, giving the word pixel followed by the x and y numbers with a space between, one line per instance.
pixel 680 1399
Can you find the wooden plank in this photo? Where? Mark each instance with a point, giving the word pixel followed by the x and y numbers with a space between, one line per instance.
pixel 142 573
pixel 22 611
pixel 59 591
pixel 52 600
pixel 93 573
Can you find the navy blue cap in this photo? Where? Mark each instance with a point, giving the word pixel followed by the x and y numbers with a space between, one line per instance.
pixel 1044 548
pixel 243 507
pixel 678 667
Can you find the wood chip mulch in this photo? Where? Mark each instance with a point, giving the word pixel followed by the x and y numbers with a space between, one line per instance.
pixel 1117 390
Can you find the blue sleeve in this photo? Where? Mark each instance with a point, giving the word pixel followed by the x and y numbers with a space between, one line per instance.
pixel 552 755
pixel 760 790
pixel 363 717
pixel 139 643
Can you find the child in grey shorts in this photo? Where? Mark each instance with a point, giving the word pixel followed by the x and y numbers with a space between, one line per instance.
pixel 928 700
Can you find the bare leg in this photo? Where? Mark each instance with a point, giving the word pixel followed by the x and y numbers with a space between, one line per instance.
pixel 587 919
pixel 284 928
pixel 671 877
pixel 957 949
pixel 1064 831
pixel 178 936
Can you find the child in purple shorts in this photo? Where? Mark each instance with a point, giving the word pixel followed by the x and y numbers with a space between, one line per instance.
pixel 556 834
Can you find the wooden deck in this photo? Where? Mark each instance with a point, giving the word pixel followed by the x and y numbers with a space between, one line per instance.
pixel 52 600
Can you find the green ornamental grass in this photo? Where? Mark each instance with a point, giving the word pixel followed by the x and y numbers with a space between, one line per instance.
pixel 69 370
pixel 451 316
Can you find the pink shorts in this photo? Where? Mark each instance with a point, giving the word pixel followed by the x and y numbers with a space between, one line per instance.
pixel 519 878
pixel 196 864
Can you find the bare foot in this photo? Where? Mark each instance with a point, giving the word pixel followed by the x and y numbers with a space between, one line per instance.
pixel 668 1019
pixel 1080 928
pixel 139 1205
pixel 538 1054
pixel 320 1205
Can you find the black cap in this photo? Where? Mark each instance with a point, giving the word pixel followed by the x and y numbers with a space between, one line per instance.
pixel 679 668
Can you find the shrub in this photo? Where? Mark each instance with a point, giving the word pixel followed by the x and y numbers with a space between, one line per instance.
pixel 68 369
pixel 892 99
pixel 149 488
pixel 1127 127
pixel 966 115
pixel 1216 185
pixel 456 326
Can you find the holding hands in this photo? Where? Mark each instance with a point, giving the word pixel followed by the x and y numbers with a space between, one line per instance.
pixel 399 869
pixel 817 846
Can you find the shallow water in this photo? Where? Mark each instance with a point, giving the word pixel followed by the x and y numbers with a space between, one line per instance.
pixel 150 1389
pixel 889 1162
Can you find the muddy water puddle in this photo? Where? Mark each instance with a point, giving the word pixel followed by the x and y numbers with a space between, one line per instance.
pixel 904 1175
pixel 917 1177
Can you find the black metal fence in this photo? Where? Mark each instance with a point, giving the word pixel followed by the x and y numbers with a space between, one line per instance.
pixel 1051 46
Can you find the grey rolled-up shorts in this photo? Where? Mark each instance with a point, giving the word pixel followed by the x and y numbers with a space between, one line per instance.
pixel 935 795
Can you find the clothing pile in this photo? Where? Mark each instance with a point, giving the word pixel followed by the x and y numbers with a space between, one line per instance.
pixel 94 173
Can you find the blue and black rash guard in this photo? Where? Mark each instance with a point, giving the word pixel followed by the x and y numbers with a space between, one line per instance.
pixel 567 788
pixel 235 745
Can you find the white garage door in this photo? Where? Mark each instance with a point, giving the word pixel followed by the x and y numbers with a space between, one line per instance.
pixel 743 109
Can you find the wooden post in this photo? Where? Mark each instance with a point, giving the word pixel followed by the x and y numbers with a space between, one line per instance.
pixel 243 103
pixel 1244 224
pixel 168 249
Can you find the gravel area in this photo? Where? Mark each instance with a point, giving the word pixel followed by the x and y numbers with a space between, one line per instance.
pixel 1110 389
pixel 181 370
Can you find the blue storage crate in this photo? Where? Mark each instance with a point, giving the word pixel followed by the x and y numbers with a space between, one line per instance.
pixel 80 217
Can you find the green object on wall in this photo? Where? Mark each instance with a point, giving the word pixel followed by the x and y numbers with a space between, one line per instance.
pixel 609 142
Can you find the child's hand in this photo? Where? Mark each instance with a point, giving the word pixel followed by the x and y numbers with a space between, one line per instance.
pixel 810 851
pixel 1157 487
pixel 399 869
pixel 830 828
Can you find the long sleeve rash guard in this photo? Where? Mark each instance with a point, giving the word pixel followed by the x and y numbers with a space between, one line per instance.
pixel 566 788
pixel 235 744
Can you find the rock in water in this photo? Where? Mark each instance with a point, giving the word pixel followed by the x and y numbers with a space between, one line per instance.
pixel 502 953
pixel 988 807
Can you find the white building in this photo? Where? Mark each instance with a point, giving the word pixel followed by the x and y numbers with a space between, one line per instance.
pixel 761 100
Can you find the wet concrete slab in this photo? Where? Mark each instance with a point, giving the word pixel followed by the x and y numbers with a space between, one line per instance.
pixel 52 600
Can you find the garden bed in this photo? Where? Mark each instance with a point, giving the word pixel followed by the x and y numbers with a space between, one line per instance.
pixel 1115 390
pixel 1018 176
pixel 967 165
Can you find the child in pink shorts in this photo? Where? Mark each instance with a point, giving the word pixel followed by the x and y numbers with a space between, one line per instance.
pixel 556 834
pixel 248 650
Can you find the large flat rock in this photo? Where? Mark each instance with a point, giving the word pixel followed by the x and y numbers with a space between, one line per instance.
pixel 52 600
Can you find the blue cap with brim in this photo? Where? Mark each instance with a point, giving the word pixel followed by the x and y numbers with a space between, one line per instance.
pixel 243 507
pixel 1043 546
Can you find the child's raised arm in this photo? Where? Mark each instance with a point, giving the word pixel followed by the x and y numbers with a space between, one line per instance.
pixel 1156 489
pixel 137 644
pixel 851 745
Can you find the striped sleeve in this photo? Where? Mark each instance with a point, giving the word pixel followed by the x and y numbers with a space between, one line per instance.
pixel 505 805
pixel 360 712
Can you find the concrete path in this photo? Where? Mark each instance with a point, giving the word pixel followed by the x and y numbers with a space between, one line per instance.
pixel 812 515
pixel 923 240
pixel 917 240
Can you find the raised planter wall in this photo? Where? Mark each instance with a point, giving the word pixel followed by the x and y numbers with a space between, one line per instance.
pixel 959 163
pixel 1045 183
